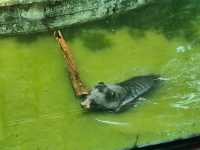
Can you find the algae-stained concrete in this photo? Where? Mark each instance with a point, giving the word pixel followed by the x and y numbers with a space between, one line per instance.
pixel 26 16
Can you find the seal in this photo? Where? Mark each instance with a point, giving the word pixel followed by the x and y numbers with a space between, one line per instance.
pixel 120 96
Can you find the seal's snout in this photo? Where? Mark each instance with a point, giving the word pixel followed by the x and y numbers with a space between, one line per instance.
pixel 86 104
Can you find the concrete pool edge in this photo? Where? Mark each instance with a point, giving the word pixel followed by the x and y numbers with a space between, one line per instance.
pixel 21 17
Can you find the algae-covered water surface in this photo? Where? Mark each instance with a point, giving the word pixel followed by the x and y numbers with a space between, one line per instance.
pixel 38 110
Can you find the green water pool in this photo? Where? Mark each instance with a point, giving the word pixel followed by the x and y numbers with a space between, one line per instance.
pixel 38 110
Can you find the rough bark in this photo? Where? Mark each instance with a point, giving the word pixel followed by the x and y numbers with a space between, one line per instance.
pixel 26 16
pixel 79 88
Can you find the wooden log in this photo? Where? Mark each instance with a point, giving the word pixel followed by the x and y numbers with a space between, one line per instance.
pixel 79 88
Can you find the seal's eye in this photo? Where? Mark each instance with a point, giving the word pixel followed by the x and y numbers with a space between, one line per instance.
pixel 93 104
pixel 100 90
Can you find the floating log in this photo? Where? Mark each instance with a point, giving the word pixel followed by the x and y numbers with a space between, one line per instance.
pixel 79 88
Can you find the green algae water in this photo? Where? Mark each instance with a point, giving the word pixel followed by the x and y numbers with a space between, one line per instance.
pixel 38 110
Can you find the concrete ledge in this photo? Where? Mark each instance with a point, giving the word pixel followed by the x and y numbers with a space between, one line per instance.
pixel 4 3
pixel 27 16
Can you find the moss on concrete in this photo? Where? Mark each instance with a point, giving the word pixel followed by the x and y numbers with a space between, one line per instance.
pixel 20 16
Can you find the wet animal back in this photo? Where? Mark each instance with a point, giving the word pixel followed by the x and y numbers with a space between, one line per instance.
pixel 140 85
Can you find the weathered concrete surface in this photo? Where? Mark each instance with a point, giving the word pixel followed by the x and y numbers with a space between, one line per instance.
pixel 26 16
pixel 22 2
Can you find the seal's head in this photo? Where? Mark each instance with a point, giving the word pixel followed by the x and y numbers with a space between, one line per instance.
pixel 101 97
pixel 120 96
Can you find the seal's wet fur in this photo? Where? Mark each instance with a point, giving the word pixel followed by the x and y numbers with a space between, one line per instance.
pixel 120 96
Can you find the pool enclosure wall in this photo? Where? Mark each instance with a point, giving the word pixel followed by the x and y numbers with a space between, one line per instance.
pixel 26 16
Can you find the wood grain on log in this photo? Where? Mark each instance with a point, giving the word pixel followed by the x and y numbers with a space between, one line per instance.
pixel 79 88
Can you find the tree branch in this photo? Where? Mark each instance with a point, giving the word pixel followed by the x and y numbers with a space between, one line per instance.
pixel 79 88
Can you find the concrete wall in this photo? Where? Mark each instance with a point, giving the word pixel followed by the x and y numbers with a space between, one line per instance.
pixel 26 16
